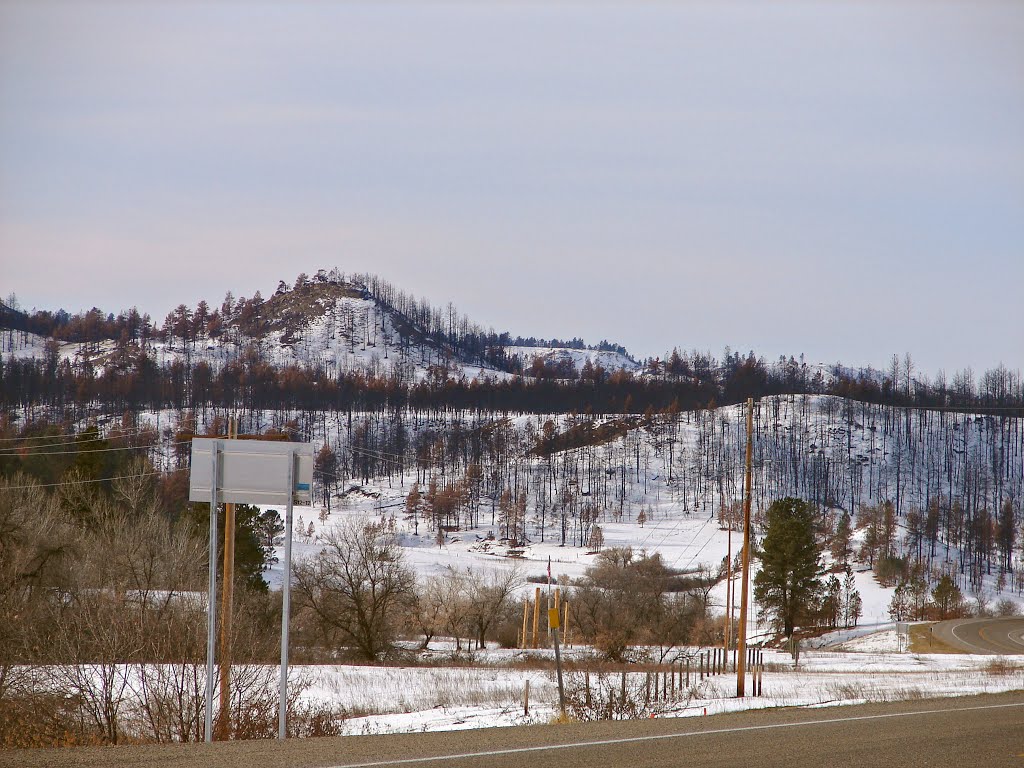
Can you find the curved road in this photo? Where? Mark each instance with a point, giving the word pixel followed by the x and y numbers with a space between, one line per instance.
pixel 981 731
pixel 985 636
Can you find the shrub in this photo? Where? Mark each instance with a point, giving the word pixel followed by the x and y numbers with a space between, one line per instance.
pixel 1007 607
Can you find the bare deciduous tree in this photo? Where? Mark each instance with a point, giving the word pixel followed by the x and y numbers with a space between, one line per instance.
pixel 357 586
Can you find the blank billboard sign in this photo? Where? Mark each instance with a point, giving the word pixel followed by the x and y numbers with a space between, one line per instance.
pixel 251 471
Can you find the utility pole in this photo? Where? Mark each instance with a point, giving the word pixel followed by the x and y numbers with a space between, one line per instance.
pixel 728 593
pixel 724 515
pixel 227 598
pixel 741 646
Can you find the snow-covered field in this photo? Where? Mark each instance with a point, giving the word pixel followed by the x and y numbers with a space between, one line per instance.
pixel 396 699
pixel 684 541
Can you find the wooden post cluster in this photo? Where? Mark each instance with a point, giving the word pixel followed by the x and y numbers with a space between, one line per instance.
pixel 669 683
pixel 714 661
pixel 755 663
pixel 562 606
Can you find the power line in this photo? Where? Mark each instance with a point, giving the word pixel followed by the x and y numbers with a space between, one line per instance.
pixel 77 482
pixel 673 529
pixel 59 439
pixel 696 554
pixel 692 541
pixel 377 451
pixel 385 457
pixel 69 439
pixel 15 451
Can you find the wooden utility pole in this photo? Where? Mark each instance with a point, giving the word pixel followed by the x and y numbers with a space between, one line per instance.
pixel 728 593
pixel 526 607
pixel 741 646
pixel 732 618
pixel 227 595
pixel 536 615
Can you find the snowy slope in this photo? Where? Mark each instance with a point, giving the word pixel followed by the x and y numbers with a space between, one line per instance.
pixel 610 361
pixel 337 328
pixel 669 471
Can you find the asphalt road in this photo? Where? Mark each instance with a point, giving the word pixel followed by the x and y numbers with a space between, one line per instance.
pixel 987 636
pixel 983 730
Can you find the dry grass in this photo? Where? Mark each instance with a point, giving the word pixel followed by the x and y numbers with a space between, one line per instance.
pixel 1000 666
pixel 395 693
pixel 923 641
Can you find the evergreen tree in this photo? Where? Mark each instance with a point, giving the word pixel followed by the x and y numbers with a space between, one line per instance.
pixel 831 605
pixel 788 585
pixel 254 535
pixel 948 598
pixel 412 507
pixel 841 547
pixel 852 602
pixel 900 605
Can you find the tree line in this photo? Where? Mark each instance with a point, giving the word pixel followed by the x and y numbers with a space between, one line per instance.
pixel 132 380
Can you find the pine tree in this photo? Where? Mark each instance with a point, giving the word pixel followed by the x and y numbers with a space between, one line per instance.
pixel 412 506
pixel 832 604
pixel 900 605
pixel 788 585
pixel 841 549
pixel 851 599
pixel 947 597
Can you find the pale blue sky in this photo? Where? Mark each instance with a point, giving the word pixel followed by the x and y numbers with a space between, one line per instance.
pixel 840 179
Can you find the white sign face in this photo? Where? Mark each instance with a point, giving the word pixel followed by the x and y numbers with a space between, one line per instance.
pixel 251 471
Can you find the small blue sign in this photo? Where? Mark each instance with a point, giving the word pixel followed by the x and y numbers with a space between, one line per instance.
pixel 302 486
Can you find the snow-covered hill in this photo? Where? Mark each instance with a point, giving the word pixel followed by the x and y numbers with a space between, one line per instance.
pixel 659 484
pixel 329 323
pixel 563 357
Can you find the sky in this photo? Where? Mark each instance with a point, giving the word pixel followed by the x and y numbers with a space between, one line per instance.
pixel 839 179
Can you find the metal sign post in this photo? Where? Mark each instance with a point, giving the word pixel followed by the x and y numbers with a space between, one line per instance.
pixel 211 605
pixel 286 604
pixel 249 472
pixel 553 625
